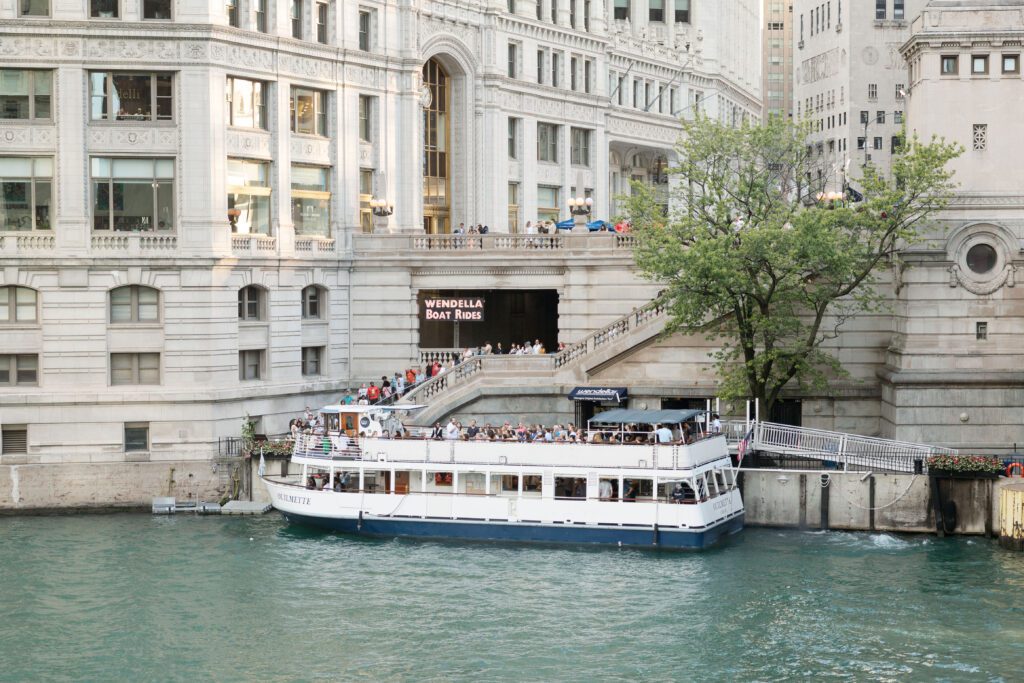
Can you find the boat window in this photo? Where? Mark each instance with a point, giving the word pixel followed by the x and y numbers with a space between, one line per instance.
pixel 572 488
pixel 505 484
pixel 608 488
pixel 472 483
pixel 532 485
pixel 350 422
pixel 441 480
pixel 332 422
pixel 638 489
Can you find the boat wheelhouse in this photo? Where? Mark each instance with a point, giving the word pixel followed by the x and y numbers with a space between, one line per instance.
pixel 627 490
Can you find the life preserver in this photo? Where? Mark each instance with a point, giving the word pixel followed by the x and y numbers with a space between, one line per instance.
pixel 1015 466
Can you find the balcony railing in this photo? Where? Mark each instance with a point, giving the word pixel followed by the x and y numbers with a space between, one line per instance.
pixel 496 243
pixel 253 245
pixel 317 245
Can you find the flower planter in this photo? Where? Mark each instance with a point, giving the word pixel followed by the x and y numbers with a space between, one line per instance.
pixel 952 474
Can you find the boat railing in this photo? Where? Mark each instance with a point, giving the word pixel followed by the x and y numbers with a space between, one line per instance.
pixel 326 447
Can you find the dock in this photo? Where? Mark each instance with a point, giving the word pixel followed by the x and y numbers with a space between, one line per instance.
pixel 242 507
pixel 170 506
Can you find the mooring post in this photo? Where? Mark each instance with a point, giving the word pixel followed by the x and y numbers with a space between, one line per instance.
pixel 936 491
pixel 824 505
pixel 803 501
pixel 871 502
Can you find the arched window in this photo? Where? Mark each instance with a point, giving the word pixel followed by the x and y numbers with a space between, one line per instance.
pixel 251 303
pixel 134 304
pixel 18 305
pixel 314 303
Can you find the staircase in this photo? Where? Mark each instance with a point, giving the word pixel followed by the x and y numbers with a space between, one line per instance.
pixel 850 451
pixel 570 365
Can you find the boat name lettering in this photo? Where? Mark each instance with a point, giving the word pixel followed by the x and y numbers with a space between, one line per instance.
pixel 301 500
pixel 720 504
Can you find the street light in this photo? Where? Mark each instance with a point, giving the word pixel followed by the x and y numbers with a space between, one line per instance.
pixel 381 208
pixel 579 206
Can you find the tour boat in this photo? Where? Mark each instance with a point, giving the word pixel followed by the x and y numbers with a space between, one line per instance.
pixel 619 493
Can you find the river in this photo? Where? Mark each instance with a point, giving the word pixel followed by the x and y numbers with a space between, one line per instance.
pixel 141 598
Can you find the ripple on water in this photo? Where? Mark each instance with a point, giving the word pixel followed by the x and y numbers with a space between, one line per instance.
pixel 132 597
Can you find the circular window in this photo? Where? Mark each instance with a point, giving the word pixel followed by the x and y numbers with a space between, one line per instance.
pixel 981 258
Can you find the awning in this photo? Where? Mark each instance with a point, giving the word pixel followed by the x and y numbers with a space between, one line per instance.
pixel 624 416
pixel 617 394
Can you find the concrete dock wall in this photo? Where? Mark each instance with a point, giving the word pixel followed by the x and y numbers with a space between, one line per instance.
pixel 859 501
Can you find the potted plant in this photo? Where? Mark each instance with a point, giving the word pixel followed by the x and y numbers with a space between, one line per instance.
pixel 965 466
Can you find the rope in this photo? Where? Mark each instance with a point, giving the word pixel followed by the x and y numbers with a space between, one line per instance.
pixel 826 479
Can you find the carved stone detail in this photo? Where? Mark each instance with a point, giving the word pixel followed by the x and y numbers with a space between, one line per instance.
pixel 310 150
pixel 254 143
pixel 1006 277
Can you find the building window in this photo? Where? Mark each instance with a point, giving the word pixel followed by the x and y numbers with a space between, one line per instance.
pixel 586 15
pixel 105 9
pixel 1011 64
pixel 246 108
pixel 249 196
pixel 156 9
pixel 312 303
pixel 312 357
pixel 864 116
pixel 547 142
pixel 950 65
pixel 136 437
pixel 513 60
pixel 251 303
pixel 308 111
pixel 231 8
pixel 132 194
pixel 900 92
pixel 548 203
pixel 880 116
pixel 580 144
pixel 513 207
pixel 261 15
pixel 19 369
pixel 588 75
pixel 621 11
pixel 513 137
pixel 554 11
pixel 13 438
pixel 980 137
pixel 574 65
pixel 131 96
pixel 981 331
pixel 366 118
pixel 33 8
pixel 25 94
pixel 250 364
pixel 656 10
pixel 872 92
pixel 572 13
pixel 861 143
pixel 134 368
pixel 878 143
pixel 364 30
pixel 556 66
pixel 26 193
pixel 879 9
pixel 321 22
pixel 897 9
pixel 979 64
pixel 18 305
pixel 134 304
pixel 682 11
pixel 311 200
pixel 982 258
pixel 540 10
pixel 638 87
pixel 296 15
pixel 897 117
pixel 540 66
pixel 896 143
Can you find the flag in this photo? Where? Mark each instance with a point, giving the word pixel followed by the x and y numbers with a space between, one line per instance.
pixel 263 465
pixel 744 444
pixel 853 195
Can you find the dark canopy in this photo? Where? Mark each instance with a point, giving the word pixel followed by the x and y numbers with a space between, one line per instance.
pixel 623 416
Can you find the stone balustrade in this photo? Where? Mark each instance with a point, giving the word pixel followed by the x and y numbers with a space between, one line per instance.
pixel 494 243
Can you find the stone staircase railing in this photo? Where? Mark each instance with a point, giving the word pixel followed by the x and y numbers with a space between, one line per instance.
pixel 571 356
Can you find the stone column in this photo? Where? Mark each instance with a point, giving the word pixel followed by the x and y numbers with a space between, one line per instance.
pixel 602 192
pixel 201 227
pixel 281 152
pixel 529 188
pixel 598 17
pixel 71 221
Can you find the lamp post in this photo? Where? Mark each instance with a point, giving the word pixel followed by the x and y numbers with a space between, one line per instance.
pixel 381 211
pixel 580 208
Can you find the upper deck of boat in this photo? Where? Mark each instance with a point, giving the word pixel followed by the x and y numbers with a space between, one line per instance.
pixel 320 450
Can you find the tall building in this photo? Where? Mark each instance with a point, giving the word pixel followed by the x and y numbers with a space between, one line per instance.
pixel 215 209
pixel 777 63
pixel 850 80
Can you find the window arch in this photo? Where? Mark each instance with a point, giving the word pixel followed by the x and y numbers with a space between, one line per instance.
pixel 19 305
pixel 134 304
pixel 314 303
pixel 251 303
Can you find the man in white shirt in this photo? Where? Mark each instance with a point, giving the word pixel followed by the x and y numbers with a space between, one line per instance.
pixel 664 434
pixel 716 424
pixel 451 431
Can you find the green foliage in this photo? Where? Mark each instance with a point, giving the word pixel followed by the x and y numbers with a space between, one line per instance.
pixel 965 463
pixel 248 434
pixel 755 262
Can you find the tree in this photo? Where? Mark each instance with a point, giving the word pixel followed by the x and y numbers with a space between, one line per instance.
pixel 762 261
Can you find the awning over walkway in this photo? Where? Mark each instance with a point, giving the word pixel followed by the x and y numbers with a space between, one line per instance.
pixel 617 394
pixel 624 416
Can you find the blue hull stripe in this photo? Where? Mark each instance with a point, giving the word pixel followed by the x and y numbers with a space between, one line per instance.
pixel 525 533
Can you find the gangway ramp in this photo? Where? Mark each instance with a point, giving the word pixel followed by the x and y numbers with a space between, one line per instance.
pixel 847 451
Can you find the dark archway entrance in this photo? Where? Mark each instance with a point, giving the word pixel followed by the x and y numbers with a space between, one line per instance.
pixel 510 317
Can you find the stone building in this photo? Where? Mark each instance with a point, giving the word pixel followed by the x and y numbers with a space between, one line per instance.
pixel 777 63
pixel 850 81
pixel 187 231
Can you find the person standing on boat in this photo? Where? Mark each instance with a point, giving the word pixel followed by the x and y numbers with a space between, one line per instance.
pixel 438 433
pixel 451 431
pixel 664 434
pixel 716 424
pixel 604 490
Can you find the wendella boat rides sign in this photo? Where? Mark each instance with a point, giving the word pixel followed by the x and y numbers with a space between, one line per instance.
pixel 470 309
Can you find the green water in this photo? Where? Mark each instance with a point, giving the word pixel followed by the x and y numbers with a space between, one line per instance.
pixel 140 598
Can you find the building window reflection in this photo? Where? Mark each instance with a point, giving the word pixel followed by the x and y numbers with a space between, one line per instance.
pixel 131 96
pixel 311 200
pixel 249 196
pixel 246 108
pixel 132 194
pixel 26 193
pixel 436 148
pixel 308 111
